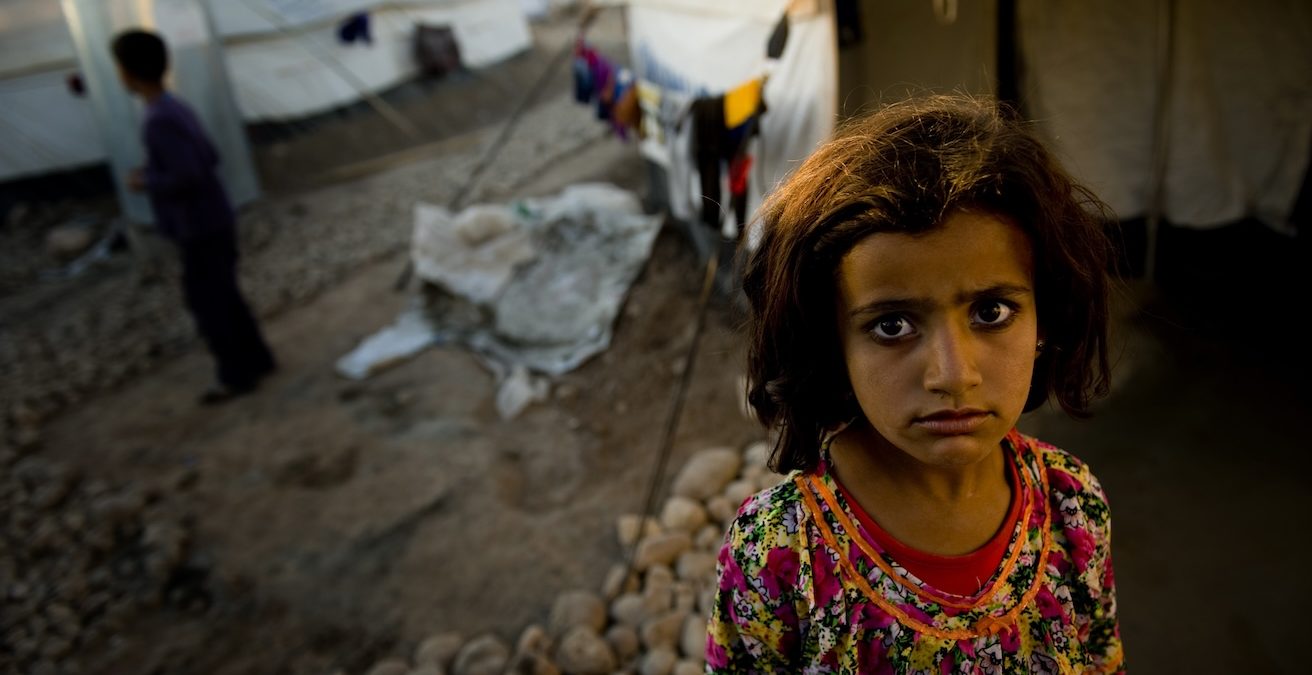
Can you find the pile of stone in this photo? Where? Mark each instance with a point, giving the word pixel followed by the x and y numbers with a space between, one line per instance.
pixel 650 621
pixel 78 558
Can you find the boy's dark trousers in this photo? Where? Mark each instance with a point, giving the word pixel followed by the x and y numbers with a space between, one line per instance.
pixel 209 285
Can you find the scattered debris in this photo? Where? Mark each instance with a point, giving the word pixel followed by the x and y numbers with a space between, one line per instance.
pixel 67 241
pixel 518 391
pixel 411 333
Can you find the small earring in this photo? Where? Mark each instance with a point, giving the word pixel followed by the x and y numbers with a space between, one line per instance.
pixel 1038 347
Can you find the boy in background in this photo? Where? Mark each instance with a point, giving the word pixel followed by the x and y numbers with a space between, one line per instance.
pixel 192 210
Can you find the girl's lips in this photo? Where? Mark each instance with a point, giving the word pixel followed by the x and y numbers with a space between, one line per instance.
pixel 952 424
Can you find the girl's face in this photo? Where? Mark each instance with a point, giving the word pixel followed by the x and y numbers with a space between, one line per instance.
pixel 939 335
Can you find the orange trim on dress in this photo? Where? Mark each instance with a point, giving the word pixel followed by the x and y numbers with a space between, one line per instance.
pixel 1008 562
pixel 987 625
pixel 931 594
pixel 1112 666
pixel 862 583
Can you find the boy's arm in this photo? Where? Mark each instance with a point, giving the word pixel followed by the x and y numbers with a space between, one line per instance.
pixel 178 163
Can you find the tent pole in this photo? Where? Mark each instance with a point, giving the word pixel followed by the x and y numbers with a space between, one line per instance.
pixel 1161 135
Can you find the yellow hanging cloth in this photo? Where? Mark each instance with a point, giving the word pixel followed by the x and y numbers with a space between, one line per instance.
pixel 741 102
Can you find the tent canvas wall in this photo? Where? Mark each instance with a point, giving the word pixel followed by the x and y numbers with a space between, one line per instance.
pixel 1236 126
pixel 1232 80
pixel 283 60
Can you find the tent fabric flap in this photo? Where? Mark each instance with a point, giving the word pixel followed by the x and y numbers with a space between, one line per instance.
pixel 1238 118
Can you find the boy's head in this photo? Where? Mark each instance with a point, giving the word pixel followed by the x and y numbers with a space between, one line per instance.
pixel 142 59
pixel 908 169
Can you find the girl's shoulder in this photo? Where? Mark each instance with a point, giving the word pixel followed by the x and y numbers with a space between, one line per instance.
pixel 1065 472
pixel 1074 492
pixel 773 505
pixel 769 519
pixel 1060 469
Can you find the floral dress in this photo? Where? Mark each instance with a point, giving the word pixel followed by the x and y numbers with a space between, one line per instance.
pixel 803 588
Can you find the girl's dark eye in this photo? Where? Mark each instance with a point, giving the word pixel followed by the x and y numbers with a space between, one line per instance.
pixel 993 313
pixel 892 328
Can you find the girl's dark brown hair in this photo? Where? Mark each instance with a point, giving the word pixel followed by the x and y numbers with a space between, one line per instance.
pixel 905 168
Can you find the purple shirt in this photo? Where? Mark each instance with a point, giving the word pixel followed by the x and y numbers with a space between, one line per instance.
pixel 186 195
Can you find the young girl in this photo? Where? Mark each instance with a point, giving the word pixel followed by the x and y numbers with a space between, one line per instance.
pixel 923 279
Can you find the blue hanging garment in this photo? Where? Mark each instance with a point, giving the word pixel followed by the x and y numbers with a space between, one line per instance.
pixel 355 27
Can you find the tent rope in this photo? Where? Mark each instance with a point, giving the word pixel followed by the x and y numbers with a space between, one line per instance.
pixel 676 411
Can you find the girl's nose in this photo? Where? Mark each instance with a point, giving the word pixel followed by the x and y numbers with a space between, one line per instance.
pixel 951 368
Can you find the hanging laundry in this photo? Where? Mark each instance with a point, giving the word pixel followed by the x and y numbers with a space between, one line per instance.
pixel 627 114
pixel 710 144
pixel 436 50
pixel 740 164
pixel 648 97
pixel 612 89
pixel 355 28
pixel 739 168
pixel 583 84
pixel 621 87
pixel 716 142
pixel 672 118
pixel 742 102
pixel 774 48
pixel 603 81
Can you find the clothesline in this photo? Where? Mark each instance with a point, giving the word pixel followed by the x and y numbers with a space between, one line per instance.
pixel 705 133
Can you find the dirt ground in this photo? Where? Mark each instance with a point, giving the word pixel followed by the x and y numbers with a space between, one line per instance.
pixel 352 518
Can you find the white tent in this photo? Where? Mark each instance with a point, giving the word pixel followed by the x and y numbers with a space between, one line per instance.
pixel 283 59
pixel 1199 111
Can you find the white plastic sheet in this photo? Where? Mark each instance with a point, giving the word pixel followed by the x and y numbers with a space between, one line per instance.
pixel 533 288
pixel 474 267
pixel 412 333
pixel 546 291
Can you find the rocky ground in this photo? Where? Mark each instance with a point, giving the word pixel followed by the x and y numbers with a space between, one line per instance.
pixel 83 556
pixel 648 618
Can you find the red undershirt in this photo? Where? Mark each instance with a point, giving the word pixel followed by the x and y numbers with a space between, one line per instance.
pixel 960 574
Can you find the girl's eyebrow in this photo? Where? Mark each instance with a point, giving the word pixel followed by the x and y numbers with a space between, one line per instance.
pixel 914 304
